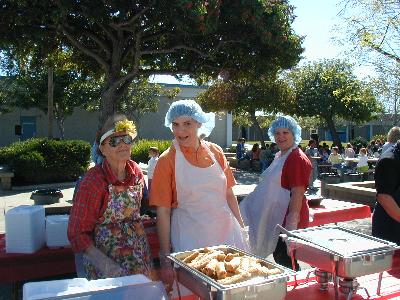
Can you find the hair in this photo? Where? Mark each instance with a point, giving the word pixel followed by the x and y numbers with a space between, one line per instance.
pixel 154 149
pixel 255 147
pixel 241 140
pixel 311 142
pixel 109 124
pixel 393 135
pixel 349 145
pixel 363 150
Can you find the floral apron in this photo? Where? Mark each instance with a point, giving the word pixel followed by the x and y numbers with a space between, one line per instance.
pixel 120 234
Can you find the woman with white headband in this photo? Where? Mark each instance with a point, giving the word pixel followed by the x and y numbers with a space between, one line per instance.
pixel 192 188
pixel 279 197
pixel 105 222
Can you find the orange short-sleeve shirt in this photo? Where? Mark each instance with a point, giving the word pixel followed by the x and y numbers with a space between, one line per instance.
pixel 163 185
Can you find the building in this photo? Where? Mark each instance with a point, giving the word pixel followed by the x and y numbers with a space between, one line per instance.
pixel 82 124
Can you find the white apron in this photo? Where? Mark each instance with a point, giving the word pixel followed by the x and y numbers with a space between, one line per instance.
pixel 203 217
pixel 265 207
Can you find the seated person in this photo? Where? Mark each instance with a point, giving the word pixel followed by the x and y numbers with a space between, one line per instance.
pixel 362 165
pixel 335 158
pixel 240 150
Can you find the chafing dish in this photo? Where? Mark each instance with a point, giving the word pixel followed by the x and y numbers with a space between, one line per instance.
pixel 341 251
pixel 261 287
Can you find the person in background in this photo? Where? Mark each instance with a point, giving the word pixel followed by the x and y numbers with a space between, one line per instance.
pixel 254 155
pixel 192 189
pixel 324 155
pixel 279 197
pixel 265 157
pixel 313 156
pixel 240 150
pixel 392 137
pixel 349 151
pixel 335 158
pixel 362 164
pixel 151 165
pixel 386 215
pixel 105 222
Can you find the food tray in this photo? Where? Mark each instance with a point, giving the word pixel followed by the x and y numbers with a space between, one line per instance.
pixel 260 287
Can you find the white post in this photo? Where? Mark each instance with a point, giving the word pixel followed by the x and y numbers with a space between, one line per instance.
pixel 228 129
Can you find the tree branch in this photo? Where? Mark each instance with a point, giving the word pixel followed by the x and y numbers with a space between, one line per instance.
pixel 98 41
pixel 84 49
pixel 174 49
pixel 134 17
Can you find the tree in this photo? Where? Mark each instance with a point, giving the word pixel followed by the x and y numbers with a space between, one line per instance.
pixel 123 40
pixel 329 90
pixel 246 96
pixel 386 87
pixel 142 98
pixel 26 84
pixel 372 26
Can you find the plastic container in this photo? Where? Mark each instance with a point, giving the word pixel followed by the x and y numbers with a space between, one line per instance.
pixel 128 287
pixel 56 231
pixel 46 196
pixel 25 229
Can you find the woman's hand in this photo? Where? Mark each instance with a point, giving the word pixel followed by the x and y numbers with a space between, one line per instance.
pixel 107 266
pixel 167 275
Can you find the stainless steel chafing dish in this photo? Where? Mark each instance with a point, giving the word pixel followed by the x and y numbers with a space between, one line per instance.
pixel 341 251
pixel 261 287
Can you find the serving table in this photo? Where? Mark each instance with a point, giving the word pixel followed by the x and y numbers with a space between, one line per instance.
pixel 48 262
pixel 334 211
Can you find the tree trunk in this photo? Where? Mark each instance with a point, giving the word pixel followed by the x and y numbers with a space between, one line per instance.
pixel 50 103
pixel 60 122
pixel 332 129
pixel 108 105
pixel 259 131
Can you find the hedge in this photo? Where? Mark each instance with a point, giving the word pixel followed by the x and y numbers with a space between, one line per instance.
pixel 42 160
pixel 140 149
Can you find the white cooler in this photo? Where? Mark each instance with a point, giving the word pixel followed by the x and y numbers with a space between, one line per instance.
pixel 128 287
pixel 56 231
pixel 25 229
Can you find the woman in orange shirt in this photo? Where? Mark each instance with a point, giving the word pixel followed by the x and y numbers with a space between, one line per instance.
pixel 192 187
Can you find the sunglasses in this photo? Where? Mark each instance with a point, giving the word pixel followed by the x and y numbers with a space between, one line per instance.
pixel 115 140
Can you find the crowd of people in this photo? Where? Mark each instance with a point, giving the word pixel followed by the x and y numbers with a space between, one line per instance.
pixel 190 187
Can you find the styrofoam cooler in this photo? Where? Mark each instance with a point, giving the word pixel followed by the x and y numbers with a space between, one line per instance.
pixel 128 287
pixel 56 231
pixel 25 229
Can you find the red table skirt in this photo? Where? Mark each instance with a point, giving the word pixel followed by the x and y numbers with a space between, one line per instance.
pixel 51 262
pixel 333 211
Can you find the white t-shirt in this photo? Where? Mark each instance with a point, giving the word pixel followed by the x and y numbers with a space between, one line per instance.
pixel 151 166
pixel 362 161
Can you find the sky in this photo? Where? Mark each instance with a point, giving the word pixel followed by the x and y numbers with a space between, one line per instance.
pixel 315 20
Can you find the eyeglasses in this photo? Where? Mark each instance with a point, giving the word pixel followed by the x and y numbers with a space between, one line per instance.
pixel 115 140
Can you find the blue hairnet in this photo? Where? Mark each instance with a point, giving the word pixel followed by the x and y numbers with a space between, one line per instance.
pixel 96 157
pixel 285 122
pixel 190 108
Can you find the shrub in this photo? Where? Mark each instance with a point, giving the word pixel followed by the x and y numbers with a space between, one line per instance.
pixel 40 160
pixel 381 137
pixel 359 140
pixel 140 149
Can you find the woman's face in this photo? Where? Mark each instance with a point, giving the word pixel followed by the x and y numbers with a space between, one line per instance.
pixel 284 139
pixel 117 147
pixel 185 131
